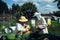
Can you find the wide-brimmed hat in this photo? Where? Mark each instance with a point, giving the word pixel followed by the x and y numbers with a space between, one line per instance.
pixel 23 19
pixel 36 14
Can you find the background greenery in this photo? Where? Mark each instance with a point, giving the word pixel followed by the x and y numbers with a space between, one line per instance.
pixel 54 28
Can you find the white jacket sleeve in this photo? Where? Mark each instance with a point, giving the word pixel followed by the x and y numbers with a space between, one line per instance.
pixel 44 21
pixel 20 27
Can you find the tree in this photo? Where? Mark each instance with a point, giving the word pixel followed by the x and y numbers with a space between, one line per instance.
pixel 58 4
pixel 16 11
pixel 28 9
pixel 15 8
pixel 57 13
pixel 3 7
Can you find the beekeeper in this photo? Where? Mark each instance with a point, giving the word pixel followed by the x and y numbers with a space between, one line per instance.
pixel 21 24
pixel 41 23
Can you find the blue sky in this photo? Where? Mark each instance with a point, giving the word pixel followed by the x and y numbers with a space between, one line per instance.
pixel 43 6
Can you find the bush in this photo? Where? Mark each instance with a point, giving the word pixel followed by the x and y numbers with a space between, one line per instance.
pixel 13 23
pixel 11 36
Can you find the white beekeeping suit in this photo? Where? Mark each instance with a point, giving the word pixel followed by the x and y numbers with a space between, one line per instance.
pixel 20 27
pixel 38 15
pixel 45 31
pixel 42 23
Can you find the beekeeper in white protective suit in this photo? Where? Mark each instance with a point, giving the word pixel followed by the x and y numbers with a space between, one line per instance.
pixel 21 25
pixel 41 23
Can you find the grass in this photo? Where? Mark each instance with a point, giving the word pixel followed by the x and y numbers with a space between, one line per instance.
pixel 54 28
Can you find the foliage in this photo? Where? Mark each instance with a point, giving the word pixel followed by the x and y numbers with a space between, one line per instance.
pixel 54 28
pixel 28 9
pixel 58 4
pixel 3 7
pixel 16 11
pixel 57 13
pixel 13 23
pixel 0 26
pixel 5 24
pixel 11 36
pixel 15 8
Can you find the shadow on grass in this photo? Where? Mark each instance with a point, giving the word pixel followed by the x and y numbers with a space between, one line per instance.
pixel 37 36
